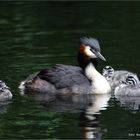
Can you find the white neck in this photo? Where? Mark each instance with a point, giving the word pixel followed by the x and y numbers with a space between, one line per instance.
pixel 98 82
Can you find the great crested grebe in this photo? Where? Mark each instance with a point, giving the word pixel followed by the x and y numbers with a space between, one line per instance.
pixel 115 77
pixel 5 93
pixel 71 79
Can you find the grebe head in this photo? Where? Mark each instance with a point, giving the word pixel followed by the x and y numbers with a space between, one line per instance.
pixel 130 81
pixel 89 52
pixel 3 85
pixel 108 72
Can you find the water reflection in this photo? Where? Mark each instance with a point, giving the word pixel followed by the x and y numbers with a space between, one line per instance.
pixel 89 119
pixel 90 128
pixel 4 105
pixel 73 102
pixel 131 103
pixel 89 107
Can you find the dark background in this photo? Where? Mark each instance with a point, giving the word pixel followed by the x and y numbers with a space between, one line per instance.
pixel 36 35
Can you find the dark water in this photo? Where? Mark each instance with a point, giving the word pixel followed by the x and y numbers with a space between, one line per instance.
pixel 36 35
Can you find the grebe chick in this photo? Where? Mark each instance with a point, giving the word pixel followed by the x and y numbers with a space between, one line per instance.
pixel 72 79
pixel 129 87
pixel 5 93
pixel 114 77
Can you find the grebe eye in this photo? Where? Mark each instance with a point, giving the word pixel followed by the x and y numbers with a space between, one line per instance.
pixel 92 50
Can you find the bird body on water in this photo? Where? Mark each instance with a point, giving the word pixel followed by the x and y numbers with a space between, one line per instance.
pixel 5 93
pixel 66 79
pixel 123 82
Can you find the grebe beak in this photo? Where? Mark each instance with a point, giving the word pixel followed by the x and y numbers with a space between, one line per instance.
pixel 98 54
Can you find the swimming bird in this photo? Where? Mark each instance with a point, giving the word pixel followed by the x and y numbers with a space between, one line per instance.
pixel 129 87
pixel 67 79
pixel 5 93
pixel 115 77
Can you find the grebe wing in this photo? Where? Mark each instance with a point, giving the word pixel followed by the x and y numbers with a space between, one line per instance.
pixel 62 76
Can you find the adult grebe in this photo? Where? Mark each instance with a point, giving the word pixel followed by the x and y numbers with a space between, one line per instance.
pixel 115 77
pixel 5 93
pixel 71 79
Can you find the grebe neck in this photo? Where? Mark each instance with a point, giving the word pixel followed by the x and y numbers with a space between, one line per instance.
pixel 84 61
pixel 91 72
pixel 99 84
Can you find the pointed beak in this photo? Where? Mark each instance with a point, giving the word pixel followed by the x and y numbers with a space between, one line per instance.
pixel 7 87
pixel 98 54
